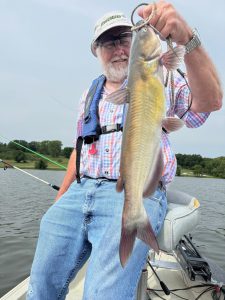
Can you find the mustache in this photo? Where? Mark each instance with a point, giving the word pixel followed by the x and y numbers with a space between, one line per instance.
pixel 117 58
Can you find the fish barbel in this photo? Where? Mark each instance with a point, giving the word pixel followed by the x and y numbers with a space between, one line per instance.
pixel 141 164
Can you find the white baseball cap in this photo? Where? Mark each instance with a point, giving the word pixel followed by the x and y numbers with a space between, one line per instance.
pixel 108 21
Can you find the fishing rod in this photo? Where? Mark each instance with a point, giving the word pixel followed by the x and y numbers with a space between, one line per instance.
pixel 55 187
pixel 36 153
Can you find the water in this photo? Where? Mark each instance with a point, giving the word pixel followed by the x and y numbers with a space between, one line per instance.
pixel 24 200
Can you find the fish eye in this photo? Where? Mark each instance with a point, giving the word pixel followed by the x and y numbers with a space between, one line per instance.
pixel 144 29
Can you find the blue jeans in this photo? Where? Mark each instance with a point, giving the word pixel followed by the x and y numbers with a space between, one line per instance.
pixel 86 223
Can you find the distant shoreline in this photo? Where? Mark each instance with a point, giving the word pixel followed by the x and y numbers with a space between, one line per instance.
pixel 52 167
pixel 31 165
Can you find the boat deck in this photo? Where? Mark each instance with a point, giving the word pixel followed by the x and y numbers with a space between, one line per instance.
pixel 167 268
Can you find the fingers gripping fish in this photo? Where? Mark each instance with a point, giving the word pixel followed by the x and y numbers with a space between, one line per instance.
pixel 141 163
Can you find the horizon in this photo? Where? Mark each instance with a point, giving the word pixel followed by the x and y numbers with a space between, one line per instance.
pixel 72 147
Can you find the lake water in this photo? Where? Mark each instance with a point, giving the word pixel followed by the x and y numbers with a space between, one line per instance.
pixel 24 200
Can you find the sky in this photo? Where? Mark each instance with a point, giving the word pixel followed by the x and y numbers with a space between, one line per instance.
pixel 46 63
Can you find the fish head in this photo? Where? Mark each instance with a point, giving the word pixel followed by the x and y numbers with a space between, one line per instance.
pixel 146 45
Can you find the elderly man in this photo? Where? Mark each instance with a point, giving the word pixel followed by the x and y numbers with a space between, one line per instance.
pixel 85 221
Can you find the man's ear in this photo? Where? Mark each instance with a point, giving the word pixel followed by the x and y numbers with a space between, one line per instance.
pixel 96 49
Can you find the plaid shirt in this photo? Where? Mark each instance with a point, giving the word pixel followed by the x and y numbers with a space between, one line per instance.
pixel 106 162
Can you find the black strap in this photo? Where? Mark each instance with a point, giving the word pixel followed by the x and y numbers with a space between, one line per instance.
pixel 78 154
pixel 108 128
pixel 100 178
pixel 164 130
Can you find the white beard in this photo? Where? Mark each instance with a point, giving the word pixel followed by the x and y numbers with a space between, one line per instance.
pixel 114 72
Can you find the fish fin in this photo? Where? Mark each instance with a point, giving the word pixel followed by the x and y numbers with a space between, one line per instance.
pixel 126 243
pixel 173 58
pixel 155 176
pixel 119 184
pixel 118 97
pixel 147 235
pixel 143 231
pixel 172 124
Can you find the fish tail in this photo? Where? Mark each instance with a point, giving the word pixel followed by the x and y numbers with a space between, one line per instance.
pixel 142 230
pixel 147 235
pixel 127 240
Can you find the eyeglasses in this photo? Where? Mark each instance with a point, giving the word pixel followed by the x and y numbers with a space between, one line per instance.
pixel 110 42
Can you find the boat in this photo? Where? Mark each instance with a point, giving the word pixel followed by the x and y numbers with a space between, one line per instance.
pixel 179 271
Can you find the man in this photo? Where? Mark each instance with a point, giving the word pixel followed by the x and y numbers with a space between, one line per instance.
pixel 85 222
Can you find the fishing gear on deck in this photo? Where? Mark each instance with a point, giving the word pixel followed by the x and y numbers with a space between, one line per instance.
pixel 191 261
pixel 162 284
pixel 6 165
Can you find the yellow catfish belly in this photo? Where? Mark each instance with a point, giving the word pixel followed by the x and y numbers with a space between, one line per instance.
pixel 142 130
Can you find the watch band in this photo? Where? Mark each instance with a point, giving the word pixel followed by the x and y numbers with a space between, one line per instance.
pixel 194 42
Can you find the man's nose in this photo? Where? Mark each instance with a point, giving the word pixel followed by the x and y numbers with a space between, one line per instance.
pixel 118 48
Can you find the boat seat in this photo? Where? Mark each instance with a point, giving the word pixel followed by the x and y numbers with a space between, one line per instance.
pixel 181 218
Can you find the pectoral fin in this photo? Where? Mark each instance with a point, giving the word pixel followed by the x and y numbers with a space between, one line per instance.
pixel 172 124
pixel 173 58
pixel 119 97
pixel 155 175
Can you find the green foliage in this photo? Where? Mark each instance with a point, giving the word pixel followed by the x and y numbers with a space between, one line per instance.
pixel 3 147
pixel 178 172
pixel 218 167
pixel 43 147
pixel 198 170
pixel 13 146
pixel 189 161
pixel 41 164
pixel 67 151
pixel 19 156
pixel 211 166
pixel 54 148
pixel 33 146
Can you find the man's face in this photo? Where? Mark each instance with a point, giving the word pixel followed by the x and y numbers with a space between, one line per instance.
pixel 113 49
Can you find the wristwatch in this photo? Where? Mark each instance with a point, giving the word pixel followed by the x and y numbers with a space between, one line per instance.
pixel 194 42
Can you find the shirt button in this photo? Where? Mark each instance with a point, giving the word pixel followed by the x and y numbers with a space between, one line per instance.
pixel 106 150
pixel 106 172
pixel 111 110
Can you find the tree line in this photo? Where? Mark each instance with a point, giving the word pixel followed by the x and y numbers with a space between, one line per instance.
pixel 196 163
pixel 201 165
pixel 49 148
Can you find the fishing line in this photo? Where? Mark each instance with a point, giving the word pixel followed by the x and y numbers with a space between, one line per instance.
pixel 189 103
pixel 55 187
pixel 145 22
pixel 36 153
